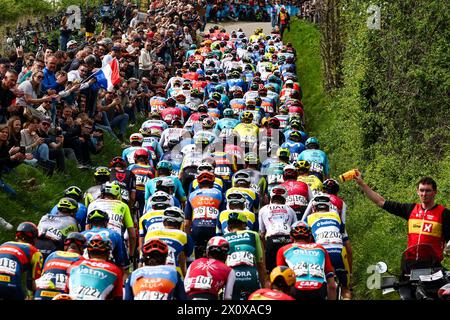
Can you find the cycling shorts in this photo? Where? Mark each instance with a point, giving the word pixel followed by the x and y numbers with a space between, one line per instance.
pixel 339 260
pixel 11 292
pixel 273 244
pixel 187 177
pixel 247 282
pixel 311 295
pixel 201 236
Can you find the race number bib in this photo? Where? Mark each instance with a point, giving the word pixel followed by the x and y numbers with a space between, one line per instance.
pixel 316 167
pixel 151 295
pixel 87 293
pixel 8 266
pixel 222 171
pixel 328 235
pixel 296 200
pixel 205 213
pixel 201 282
pixel 240 258
pixel 171 257
pixel 315 270
pixel 300 269
pixel 275 178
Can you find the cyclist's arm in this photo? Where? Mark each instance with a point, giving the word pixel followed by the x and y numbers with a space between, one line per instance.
pixel 128 291
pixel 261 265
pixel 179 291
pixel 131 231
pixel 188 217
pixel 348 247
pixel 228 290
pixel 182 263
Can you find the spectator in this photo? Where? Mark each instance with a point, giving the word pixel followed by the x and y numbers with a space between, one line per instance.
pixel 114 115
pixel 64 33
pixel 8 94
pixel 38 65
pixel 89 25
pixel 36 145
pixel 32 89
pixel 15 126
pixel 145 61
pixel 52 148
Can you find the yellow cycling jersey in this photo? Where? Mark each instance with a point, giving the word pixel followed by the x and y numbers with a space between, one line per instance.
pixel 248 132
pixel 222 225
pixel 312 181
pixel 150 221
pixel 118 212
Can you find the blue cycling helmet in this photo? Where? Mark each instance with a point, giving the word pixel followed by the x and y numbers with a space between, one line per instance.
pixel 219 89
pixel 228 113
pixel 200 72
pixel 311 143
pixel 164 164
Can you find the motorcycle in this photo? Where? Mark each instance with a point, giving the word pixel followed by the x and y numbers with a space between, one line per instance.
pixel 422 278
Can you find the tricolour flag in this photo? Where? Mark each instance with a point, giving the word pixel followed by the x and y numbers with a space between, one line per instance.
pixel 108 76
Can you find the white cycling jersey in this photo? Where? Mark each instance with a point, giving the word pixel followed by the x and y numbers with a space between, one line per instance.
pixel 276 219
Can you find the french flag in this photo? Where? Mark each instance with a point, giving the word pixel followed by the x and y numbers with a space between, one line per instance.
pixel 108 76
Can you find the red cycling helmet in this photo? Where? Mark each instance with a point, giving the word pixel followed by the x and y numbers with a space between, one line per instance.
pixel 141 153
pixel 117 162
pixel 206 176
pixel 155 245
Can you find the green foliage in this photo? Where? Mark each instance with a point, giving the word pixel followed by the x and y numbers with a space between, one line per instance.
pixel 390 119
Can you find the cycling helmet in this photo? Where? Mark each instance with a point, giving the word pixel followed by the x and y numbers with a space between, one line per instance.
pixel 102 171
pixel 73 192
pixel 312 143
pixel 117 162
pixel 206 176
pixel 303 165
pixel 295 136
pixel 283 153
pixel 97 215
pixel 279 191
pixel 284 272
pixel 208 123
pixel 205 166
pixel 241 176
pixel 228 113
pixel 295 124
pixel 155 245
pixel 290 172
pixel 321 201
pixel 217 244
pixel 283 109
pixel 111 188
pixel 68 204
pixel 75 237
pixel 99 243
pixel 202 108
pixel 164 164
pixel 136 137
pixel 331 186
pixel 173 214
pixel 216 96
pixel 247 117
pixel 27 230
pixel 300 229
pixel 143 153
pixel 274 123
pixel 237 216
pixel 251 157
pixel 160 200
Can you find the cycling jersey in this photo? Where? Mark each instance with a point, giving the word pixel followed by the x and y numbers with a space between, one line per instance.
pixel 155 125
pixel 269 294
pixel 118 212
pixel 336 204
pixel 225 123
pixel 244 255
pixel 276 219
pixel 274 174
pixel 128 154
pixel 171 113
pixel 318 160
pixel 53 280
pixel 153 147
pixel 143 173
pixel 226 166
pixel 150 188
pixel 222 221
pixel 177 241
pixel 95 279
pixel 299 195
pixel 151 220
pixel 310 263
pixel 157 103
pixel 257 181
pixel 295 148
pixel 218 184
pixel 119 254
pixel 248 132
pixel 238 105
pixel 80 215
pixel 16 260
pixel 313 182
pixel 252 198
pixel 91 194
pixel 127 181
pixel 155 283
pixel 175 134
pixel 209 276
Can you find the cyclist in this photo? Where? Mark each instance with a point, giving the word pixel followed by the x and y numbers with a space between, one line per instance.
pixel 207 276
pixel 143 172
pixel 242 183
pixel 329 231
pixel 101 175
pixel 311 263
pixel 98 221
pixel 228 122
pixel 136 140
pixel 236 201
pixel 331 188
pixel 180 244
pixel 275 169
pixel 314 183
pixel 245 257
pixel 202 209
pixel 294 144
pixel 20 258
pixel 96 278
pixel 247 131
pixel 120 219
pixel 53 280
pixel 275 220
pixel 282 279
pixel 125 179
pixel 163 170
pixel 155 280
pixel 53 229
pixel 316 157
pixel 251 166
pixel 75 193
pixel 206 166
pixel 299 194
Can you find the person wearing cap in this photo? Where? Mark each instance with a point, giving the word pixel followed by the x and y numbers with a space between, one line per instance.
pixel 23 257
pixel 72 45
pixel 282 280
pixel 53 280
pixel 181 245
pixel 315 275
pixel 155 280
pixel 202 208
pixel 275 220
pixel 245 257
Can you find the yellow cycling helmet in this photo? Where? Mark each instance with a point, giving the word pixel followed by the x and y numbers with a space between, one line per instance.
pixel 102 171
pixel 67 204
pixel 303 165
pixel 283 153
pixel 247 116
pixel 237 216
pixel 284 272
